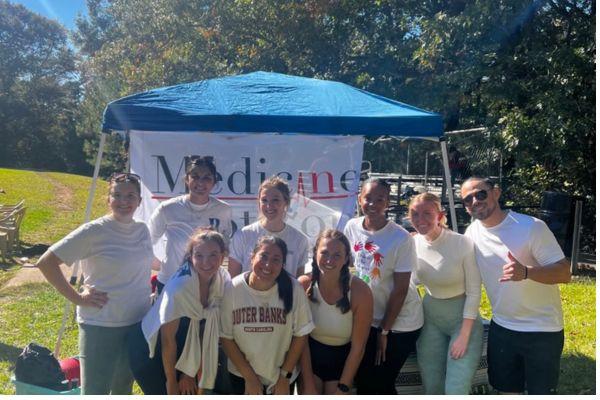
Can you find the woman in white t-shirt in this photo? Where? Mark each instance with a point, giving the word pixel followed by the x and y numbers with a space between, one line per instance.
pixel 449 347
pixel 273 202
pixel 116 255
pixel 175 351
pixel 384 257
pixel 265 318
pixel 342 311
pixel 179 217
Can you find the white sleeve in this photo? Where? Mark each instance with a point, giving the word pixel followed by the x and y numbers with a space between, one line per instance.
pixel 237 247
pixel 157 224
pixel 302 317
pixel 405 256
pixel 76 246
pixel 544 247
pixel 226 316
pixel 303 257
pixel 472 280
pixel 226 227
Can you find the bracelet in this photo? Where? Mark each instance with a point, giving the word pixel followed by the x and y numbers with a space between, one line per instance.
pixel 526 270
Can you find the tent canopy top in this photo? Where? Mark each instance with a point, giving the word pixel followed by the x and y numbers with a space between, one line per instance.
pixel 269 102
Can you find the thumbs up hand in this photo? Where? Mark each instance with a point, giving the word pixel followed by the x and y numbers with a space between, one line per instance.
pixel 513 270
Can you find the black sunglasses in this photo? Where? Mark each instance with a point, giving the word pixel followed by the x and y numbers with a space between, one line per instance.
pixel 125 177
pixel 480 195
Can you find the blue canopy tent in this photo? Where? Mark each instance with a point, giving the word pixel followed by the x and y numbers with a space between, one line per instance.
pixel 270 102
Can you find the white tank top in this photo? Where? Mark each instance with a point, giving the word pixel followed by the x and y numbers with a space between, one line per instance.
pixel 331 326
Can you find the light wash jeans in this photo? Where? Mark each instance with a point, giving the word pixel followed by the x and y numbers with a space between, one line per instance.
pixel 440 373
pixel 104 360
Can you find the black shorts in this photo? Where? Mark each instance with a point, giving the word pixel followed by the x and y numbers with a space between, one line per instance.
pixel 328 361
pixel 524 360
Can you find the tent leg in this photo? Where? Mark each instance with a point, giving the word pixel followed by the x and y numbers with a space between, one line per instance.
pixel 75 269
pixel 449 187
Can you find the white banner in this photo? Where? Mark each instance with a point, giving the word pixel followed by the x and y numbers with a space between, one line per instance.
pixel 323 172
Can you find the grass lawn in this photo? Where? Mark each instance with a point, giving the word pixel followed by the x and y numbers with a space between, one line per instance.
pixel 56 205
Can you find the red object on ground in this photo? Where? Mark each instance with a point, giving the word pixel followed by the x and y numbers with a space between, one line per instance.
pixel 70 367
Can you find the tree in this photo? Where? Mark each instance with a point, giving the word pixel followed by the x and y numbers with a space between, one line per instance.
pixel 38 93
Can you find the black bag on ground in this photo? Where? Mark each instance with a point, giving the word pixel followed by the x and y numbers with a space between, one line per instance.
pixel 36 365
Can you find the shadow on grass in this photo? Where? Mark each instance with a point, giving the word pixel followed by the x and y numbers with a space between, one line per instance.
pixel 9 353
pixel 577 374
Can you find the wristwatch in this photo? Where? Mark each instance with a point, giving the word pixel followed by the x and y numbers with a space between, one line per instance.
pixel 343 388
pixel 285 374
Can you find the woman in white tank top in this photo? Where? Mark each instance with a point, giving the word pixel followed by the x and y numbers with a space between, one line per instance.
pixel 342 311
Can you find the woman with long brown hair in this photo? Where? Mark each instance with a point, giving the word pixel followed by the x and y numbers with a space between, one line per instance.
pixel 342 310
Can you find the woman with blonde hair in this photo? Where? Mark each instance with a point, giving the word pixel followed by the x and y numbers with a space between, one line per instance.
pixel 449 347
pixel 273 202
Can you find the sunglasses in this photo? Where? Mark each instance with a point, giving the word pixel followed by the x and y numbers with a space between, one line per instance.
pixel 125 177
pixel 201 160
pixel 480 195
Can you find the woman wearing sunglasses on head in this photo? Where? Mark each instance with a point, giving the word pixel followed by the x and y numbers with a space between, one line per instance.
pixel 450 344
pixel 273 202
pixel 265 318
pixel 116 255
pixel 180 216
pixel 384 256
pixel 342 310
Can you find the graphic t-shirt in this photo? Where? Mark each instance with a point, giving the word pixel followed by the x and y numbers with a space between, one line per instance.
pixel 377 256
pixel 257 322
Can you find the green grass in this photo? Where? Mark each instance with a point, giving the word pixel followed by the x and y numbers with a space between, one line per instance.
pixel 55 202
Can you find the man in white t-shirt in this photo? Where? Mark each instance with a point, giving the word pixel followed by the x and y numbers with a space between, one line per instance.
pixel 521 265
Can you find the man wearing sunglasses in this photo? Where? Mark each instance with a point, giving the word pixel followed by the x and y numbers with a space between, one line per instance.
pixel 521 265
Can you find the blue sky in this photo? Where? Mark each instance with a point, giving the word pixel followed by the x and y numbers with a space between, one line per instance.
pixel 63 11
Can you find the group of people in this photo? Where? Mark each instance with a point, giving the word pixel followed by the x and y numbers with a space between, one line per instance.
pixel 280 319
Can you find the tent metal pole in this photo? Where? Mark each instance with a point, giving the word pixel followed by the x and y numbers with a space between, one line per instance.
pixel 75 269
pixel 449 187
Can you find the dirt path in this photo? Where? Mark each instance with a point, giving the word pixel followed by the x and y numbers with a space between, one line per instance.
pixel 63 196
pixel 32 275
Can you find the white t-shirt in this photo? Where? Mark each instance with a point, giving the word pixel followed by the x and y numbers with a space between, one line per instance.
pixel 447 269
pixel 177 219
pixel 525 305
pixel 377 255
pixel 256 321
pixel 243 243
pixel 116 258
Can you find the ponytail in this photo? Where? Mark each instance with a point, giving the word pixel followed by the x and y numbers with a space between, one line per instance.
pixel 285 290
